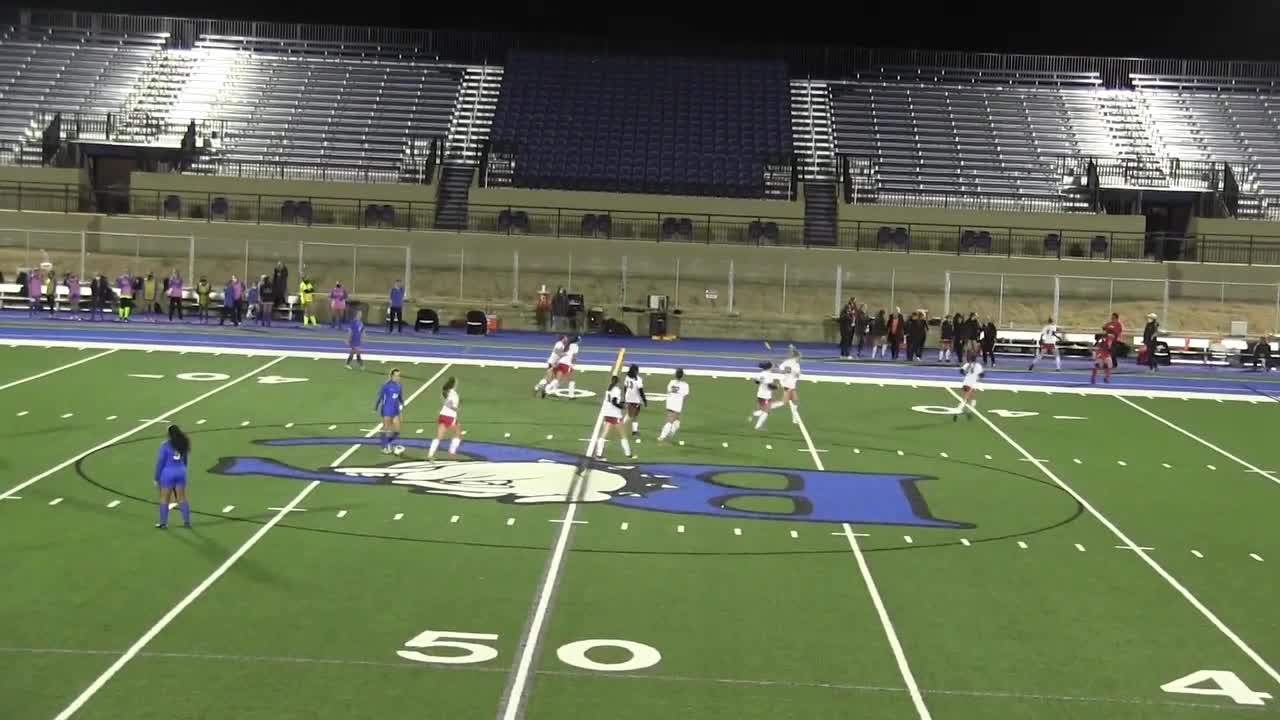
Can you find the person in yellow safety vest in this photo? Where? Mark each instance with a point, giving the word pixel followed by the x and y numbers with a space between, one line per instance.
pixel 307 296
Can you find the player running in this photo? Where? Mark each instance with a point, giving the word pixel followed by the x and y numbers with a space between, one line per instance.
pixel 789 370
pixel 1049 338
pixel 677 391
pixel 171 476
pixel 633 393
pixel 564 368
pixel 1102 359
pixel 766 383
pixel 390 404
pixel 447 421
pixel 973 372
pixel 557 350
pixel 355 339
pixel 613 410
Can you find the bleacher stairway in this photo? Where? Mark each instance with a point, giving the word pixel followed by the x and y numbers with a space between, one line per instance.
pixel 1130 133
pixel 452 196
pixel 820 213
pixel 813 131
pixel 472 116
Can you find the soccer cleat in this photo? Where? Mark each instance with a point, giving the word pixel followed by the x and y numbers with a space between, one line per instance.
pixel 955 418
pixel 161 526
pixel 186 525
pixel 348 366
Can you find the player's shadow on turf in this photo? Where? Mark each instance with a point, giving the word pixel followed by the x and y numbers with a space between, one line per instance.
pixel 217 553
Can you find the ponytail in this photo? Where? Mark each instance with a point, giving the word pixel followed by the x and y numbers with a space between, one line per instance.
pixel 180 442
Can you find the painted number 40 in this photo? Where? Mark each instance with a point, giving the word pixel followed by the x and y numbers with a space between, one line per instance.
pixel 462 649
pixel 1219 683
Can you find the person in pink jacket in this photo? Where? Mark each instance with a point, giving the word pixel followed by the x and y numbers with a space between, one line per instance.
pixel 338 306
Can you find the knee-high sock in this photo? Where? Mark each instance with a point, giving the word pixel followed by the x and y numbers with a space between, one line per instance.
pixel 760 420
pixel 435 445
pixel 635 427
pixel 453 446
pixel 164 513
pixel 185 507
pixel 666 430
pixel 626 446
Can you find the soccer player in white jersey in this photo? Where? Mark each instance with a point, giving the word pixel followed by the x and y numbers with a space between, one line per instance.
pixel 789 376
pixel 766 383
pixel 633 394
pixel 677 391
pixel 557 350
pixel 1048 345
pixel 613 410
pixel 973 372
pixel 564 368
pixel 447 421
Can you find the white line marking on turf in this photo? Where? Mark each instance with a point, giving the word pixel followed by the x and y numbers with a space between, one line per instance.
pixel 856 451
pixel 1167 466
pixel 244 423
pixel 907 539
pixel 333 427
pixel 1211 467
pixel 987 457
pixel 624 526
pixel 965 542
pixel 944 454
pixel 342 513
pixel 67 415
pixel 890 633
pixel 737 531
pixel 208 582
pixel 1197 553
pixel 511 521
pixel 900 453
pixel 455 518
pixel 1079 547
pixel 1134 547
pixel 24 412
pixel 288 425
pixel 76 458
pixel 795 534
pixel 1122 463
pixel 1159 570
pixel 113 503
pixel 55 501
pixel 767 447
pixel 398 516
pixel 58 369
pixel 287 509
pixel 1265 473
pixel 1034 460
pixel 679 528
pixel 1256 556
pixel 228 508
pixel 1076 461
pixel 559 520
pixel 1022 545
pixel 146 376
pixel 112 417
pixel 201 421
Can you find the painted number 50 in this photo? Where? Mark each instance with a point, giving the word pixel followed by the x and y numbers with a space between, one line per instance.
pixel 460 651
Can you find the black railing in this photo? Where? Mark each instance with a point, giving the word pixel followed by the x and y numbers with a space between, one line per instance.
pixel 743 230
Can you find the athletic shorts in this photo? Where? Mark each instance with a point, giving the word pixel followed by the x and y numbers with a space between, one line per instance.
pixel 612 420
pixel 562 369
pixel 763 404
pixel 634 406
pixel 447 421
pixel 169 482
pixel 391 417
pixel 1048 348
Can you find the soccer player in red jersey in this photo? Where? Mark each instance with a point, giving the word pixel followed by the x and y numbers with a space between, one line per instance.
pixel 1102 359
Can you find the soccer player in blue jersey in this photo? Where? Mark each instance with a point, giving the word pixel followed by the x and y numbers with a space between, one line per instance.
pixel 390 404
pixel 355 338
pixel 171 476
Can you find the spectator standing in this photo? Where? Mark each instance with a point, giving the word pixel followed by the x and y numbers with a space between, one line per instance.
pixel 96 287
pixel 230 303
pixel 203 289
pixel 126 290
pixel 1150 335
pixel 395 316
pixel 1115 329
pixel 894 333
pixel 559 310
pixel 280 283
pixel 151 296
pixel 972 328
pixel 337 306
pixel 948 336
pixel 51 291
pixel 73 294
pixel 307 298
pixel 861 326
pixel 1261 354
pixel 989 343
pixel 879 328
pixel 266 300
pixel 174 291
pixel 961 335
pixel 847 320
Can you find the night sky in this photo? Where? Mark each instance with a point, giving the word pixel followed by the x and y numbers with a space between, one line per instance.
pixel 1219 30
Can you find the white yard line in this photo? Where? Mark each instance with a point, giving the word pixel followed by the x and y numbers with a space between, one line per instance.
pixel 208 582
pixel 515 695
pixel 904 668
pixel 58 369
pixel 1250 466
pixel 129 433
pixel 1140 552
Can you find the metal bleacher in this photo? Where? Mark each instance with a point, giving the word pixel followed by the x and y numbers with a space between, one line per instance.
pixel 292 108
pixel 970 135
pixel 48 70
pixel 1231 120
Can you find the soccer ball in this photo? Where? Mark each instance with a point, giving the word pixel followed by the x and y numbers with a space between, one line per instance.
pixel 398 450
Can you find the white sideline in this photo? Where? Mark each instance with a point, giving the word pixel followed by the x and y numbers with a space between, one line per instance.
pixel 128 433
pixel 199 590
pixel 1137 549
pixel 904 667
pixel 1049 384
pixel 58 369
pixel 1248 465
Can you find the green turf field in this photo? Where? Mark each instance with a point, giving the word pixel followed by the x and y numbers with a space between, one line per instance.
pixel 1061 556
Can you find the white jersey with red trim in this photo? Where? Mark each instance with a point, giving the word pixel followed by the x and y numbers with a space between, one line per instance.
pixel 789 370
pixel 570 355
pixel 612 400
pixel 972 373
pixel 557 351
pixel 634 386
pixel 677 391
pixel 764 385
pixel 451 404
pixel 1049 335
